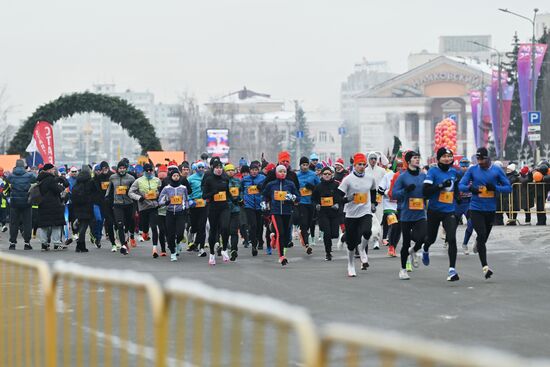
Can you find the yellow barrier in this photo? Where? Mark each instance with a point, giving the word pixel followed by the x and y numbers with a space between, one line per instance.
pixel 27 322
pixel 250 319
pixel 529 198
pixel 117 318
pixel 365 347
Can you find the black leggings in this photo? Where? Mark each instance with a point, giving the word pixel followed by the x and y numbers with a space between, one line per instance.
pixel 483 223
pixel 124 219
pixel 198 224
pixel 175 226
pixel 357 228
pixel 255 221
pixel 219 225
pixel 415 231
pixel 394 231
pixel 328 224
pixel 449 225
pixel 162 232
pixel 306 212
pixel 108 221
pixel 149 218
pixel 234 224
pixel 281 224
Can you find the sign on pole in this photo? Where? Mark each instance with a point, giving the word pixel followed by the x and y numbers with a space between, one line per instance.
pixel 534 117
pixel 341 130
pixel 299 134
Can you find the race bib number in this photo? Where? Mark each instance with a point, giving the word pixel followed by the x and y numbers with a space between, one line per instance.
pixel 104 185
pixel 279 195
pixel 327 201
pixel 151 195
pixel 220 196
pixel 305 192
pixel 416 204
pixel 378 198
pixel 176 200
pixel 484 193
pixel 234 191
pixel 253 190
pixel 360 198
pixel 200 203
pixel 121 190
pixel 392 219
pixel 446 197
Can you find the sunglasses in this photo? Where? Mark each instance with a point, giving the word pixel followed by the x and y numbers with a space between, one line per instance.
pixel 327 174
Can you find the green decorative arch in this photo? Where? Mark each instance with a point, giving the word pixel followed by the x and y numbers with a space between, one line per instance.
pixel 119 110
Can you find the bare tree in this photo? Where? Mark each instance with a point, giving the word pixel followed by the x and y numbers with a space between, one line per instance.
pixel 6 130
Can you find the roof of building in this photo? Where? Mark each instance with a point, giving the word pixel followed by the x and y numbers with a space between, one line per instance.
pixel 245 96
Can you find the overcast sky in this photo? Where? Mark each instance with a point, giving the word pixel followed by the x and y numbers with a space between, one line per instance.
pixel 291 49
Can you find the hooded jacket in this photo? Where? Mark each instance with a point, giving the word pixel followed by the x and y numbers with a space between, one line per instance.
pixel 249 186
pixel 20 182
pixel 147 188
pixel 280 207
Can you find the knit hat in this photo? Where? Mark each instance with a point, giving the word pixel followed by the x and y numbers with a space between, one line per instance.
pixel 524 170
pixel 442 151
pixel 104 164
pixel 482 153
pixel 410 154
pixel 464 162
pixel 97 167
pixel 20 163
pixel 270 166
pixel 373 155
pixel 279 168
pixel 47 166
pixel 185 164
pixel 245 169
pixel 339 162
pixel 255 164
pixel 163 168
pixel 313 157
pixel 122 163
pixel 359 158
pixel 284 156
pixel 201 164
pixel 62 170
pixel 319 166
pixel 229 167
pixel 304 160
pixel 216 162
pixel 147 167
pixel 511 168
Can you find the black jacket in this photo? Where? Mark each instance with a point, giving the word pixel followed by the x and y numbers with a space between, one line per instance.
pixel 327 189
pixel 51 212
pixel 84 201
pixel 101 183
pixel 213 184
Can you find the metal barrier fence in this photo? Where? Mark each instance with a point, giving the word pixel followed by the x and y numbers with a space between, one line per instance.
pixel 226 323
pixel 529 198
pixel 365 347
pixel 118 316
pixel 113 318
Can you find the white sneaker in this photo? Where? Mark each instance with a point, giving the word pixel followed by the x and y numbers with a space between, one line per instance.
pixel 465 249
pixel 118 245
pixel 376 245
pixel 364 256
pixel 202 253
pixel 141 239
pixel 351 270
pixel 339 244
pixel 403 275
pixel 225 256
pixel 114 248
pixel 4 228
pixel 414 257
pixel 212 260
pixel 173 257
pixel 178 248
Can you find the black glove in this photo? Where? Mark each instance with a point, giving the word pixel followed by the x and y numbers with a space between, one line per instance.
pixel 309 186
pixel 474 190
pixel 141 199
pixel 446 183
pixel 381 191
pixel 490 187
pixel 410 188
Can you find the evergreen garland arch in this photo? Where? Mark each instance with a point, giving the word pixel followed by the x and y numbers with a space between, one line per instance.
pixel 119 110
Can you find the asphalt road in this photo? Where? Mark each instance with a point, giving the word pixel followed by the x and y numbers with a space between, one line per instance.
pixel 510 312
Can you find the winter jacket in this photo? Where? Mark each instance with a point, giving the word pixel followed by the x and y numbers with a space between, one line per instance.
pixel 102 183
pixel 20 182
pixel 476 177
pixel 51 212
pixel 83 202
pixel 279 204
pixel 411 204
pixel 175 198
pixel 215 189
pixel 118 189
pixel 327 193
pixel 249 186
pixel 290 175
pixel 236 195
pixel 148 189
pixel 195 182
pixel 307 181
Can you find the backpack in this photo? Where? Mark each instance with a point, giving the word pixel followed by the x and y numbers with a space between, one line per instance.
pixel 35 196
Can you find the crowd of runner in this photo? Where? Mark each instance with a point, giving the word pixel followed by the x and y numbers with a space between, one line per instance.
pixel 208 207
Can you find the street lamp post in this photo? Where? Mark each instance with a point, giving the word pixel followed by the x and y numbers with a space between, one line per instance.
pixel 499 57
pixel 533 42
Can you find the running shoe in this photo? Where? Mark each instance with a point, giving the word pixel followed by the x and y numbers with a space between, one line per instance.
pixel 385 242
pixel 234 255
pixel 67 242
pixel 212 260
pixel 178 248
pixel 218 249
pixel 114 248
pixel 163 254
pixel 254 251
pixel 173 257
pixel 118 245
pixel 283 261
pixel 328 257
pixel 133 242
pixel 465 249
pixel 201 253
pixel 27 246
pixel 309 250
pixel 474 249
pixel 413 257
pixel 487 272
pixel 155 252
pixel 376 245
pixel 453 275
pixel 425 258
pixel 268 251
pixel 340 243
pixel 45 247
pixel 98 243
pixel 391 251
pixel 225 256
pixel 364 260
pixel 351 270
pixel 191 247
pixel 408 266
pixel 124 250
pixel 246 244
pixel 4 228
pixel 145 236
pixel 12 246
pixel 403 274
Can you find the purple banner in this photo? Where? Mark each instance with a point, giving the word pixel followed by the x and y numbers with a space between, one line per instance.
pixel 486 122
pixel 475 97
pixel 525 82
pixel 507 97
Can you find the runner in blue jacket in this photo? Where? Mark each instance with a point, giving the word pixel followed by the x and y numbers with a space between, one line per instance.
pixel 251 188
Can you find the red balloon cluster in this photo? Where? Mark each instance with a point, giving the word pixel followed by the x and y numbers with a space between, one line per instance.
pixel 445 135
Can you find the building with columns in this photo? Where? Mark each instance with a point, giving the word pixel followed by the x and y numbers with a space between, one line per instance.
pixel 411 104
